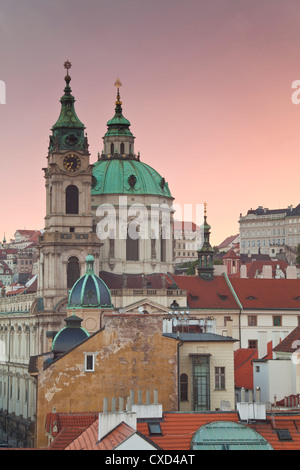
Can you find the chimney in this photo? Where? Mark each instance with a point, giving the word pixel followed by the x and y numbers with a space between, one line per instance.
pixel 229 327
pixel 243 271
pixel 267 272
pixel 109 420
pixel 291 272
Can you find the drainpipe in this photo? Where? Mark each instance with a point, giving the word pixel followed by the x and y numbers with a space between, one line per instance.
pixel 180 343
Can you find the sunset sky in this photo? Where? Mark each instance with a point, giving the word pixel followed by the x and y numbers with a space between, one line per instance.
pixel 207 87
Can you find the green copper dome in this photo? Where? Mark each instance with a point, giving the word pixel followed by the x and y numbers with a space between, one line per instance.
pixel 119 176
pixel 118 169
pixel 89 291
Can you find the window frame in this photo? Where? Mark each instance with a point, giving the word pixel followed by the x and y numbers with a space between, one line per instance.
pixel 275 318
pixel 220 378
pixel 87 356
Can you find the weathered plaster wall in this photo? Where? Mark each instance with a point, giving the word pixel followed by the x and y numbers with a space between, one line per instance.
pixel 130 354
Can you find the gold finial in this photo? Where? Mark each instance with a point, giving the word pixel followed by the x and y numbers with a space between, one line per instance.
pixel 67 66
pixel 118 84
pixel 205 205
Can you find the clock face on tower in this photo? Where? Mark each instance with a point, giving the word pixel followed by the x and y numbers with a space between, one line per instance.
pixel 72 162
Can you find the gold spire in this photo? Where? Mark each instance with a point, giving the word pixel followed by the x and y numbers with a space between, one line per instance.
pixel 118 84
pixel 205 205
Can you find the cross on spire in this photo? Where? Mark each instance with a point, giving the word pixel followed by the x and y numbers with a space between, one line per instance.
pixel 67 66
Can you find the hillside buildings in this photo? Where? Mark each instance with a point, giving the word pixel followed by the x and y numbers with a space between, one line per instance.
pixel 270 231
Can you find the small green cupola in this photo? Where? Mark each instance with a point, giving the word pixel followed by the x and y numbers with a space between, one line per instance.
pixel 206 253
pixel 68 131
pixel 89 291
pixel 118 140
pixel 69 336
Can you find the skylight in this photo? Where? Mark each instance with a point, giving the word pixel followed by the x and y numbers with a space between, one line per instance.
pixel 284 435
pixel 154 428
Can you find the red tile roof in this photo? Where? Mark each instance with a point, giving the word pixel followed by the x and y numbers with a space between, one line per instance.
pixel 269 428
pixel 290 343
pixel 231 254
pixel 207 294
pixel 179 428
pixel 268 293
pixel 89 439
pixel 243 369
pixel 227 241
pixel 62 421
pixel 64 438
pixel 255 268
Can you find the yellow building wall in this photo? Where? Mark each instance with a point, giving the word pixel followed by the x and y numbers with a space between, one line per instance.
pixel 221 355
pixel 131 354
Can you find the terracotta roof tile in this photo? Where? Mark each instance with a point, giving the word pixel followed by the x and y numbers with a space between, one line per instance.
pixel 255 268
pixel 268 293
pixel 207 294
pixel 274 423
pixel 64 438
pixel 227 241
pixel 179 428
pixel 288 343
pixel 88 440
pixel 243 369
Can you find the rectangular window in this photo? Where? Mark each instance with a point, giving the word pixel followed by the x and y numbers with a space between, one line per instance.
pixel 252 320
pixel 219 378
pixel 201 389
pixel 89 363
pixel 183 387
pixel 277 320
pixel 252 343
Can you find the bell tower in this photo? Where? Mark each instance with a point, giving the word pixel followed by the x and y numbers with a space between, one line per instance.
pixel 206 253
pixel 69 234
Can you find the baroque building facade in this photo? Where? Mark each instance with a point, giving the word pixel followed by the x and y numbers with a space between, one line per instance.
pixel 74 190
pixel 269 231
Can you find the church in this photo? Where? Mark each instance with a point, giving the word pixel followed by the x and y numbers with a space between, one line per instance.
pixel 108 241
pixel 116 207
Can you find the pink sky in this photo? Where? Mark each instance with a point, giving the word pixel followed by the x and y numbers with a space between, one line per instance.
pixel 206 87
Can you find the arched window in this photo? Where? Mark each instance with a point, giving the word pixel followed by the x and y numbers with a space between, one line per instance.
pixel 73 271
pixel 122 149
pixel 112 148
pixel 72 200
pixel 183 387
pixel 132 248
pixel 163 245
